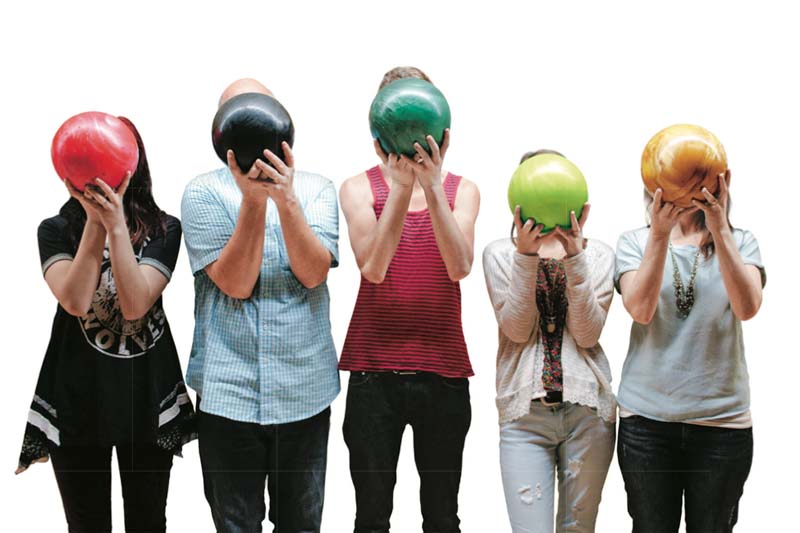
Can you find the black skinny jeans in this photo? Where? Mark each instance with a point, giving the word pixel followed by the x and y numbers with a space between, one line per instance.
pixel 83 474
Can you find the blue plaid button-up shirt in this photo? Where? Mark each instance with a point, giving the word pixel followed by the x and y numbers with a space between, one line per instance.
pixel 269 359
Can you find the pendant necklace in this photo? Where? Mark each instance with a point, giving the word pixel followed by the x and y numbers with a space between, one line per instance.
pixel 684 296
pixel 550 316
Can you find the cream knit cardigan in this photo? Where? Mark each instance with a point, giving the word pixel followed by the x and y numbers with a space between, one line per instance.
pixel 511 281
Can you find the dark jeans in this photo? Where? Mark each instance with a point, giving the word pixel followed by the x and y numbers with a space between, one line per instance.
pixel 379 406
pixel 83 474
pixel 238 458
pixel 662 462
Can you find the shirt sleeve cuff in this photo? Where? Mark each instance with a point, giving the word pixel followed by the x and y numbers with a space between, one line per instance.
pixel 199 263
pixel 53 259
pixel 158 265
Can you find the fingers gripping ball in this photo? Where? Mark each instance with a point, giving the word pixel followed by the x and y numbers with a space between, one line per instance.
pixel 547 187
pixel 681 160
pixel 405 112
pixel 249 123
pixel 94 145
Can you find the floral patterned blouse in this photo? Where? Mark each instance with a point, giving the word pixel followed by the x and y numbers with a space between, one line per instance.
pixel 551 299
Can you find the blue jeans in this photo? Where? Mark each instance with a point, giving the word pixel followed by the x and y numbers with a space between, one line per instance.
pixel 567 439
pixel 238 458
pixel 379 406
pixel 663 463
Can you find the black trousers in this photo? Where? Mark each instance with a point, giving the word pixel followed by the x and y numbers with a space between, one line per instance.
pixel 379 406
pixel 239 458
pixel 667 463
pixel 83 474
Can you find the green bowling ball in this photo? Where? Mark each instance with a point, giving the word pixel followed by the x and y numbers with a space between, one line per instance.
pixel 405 112
pixel 547 187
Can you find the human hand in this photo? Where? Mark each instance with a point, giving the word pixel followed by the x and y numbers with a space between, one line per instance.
pixel 398 167
pixel 572 239
pixel 714 208
pixel 428 168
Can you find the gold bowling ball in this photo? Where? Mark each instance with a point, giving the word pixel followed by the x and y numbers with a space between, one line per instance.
pixel 681 160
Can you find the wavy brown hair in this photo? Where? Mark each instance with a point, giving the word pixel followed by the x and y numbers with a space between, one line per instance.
pixel 144 218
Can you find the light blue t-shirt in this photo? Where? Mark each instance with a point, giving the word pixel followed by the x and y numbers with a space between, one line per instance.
pixel 270 358
pixel 691 369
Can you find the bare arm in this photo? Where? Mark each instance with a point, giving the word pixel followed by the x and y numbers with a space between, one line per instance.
pixel 236 270
pixel 73 282
pixel 742 282
pixel 374 241
pixel 309 260
pixel 641 288
pixel 138 286
pixel 454 229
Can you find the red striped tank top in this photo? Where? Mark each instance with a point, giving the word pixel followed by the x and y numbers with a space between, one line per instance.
pixel 411 321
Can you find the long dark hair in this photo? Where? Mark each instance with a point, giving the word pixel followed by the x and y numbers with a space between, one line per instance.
pixel 145 219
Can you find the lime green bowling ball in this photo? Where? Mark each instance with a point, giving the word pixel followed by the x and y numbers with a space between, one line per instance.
pixel 547 187
pixel 406 111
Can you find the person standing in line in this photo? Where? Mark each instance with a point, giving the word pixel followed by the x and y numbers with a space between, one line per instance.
pixel 551 294
pixel 688 280
pixel 411 226
pixel 261 242
pixel 111 377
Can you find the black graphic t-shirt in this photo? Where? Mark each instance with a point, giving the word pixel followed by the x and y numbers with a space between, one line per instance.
pixel 106 380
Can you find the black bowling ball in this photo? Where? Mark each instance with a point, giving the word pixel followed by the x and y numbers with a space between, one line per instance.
pixel 247 124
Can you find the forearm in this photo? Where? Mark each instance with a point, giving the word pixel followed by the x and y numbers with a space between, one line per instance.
pixel 453 246
pixel 308 258
pixel 642 294
pixel 133 290
pixel 236 270
pixel 585 313
pixel 77 287
pixel 387 233
pixel 743 291
pixel 517 312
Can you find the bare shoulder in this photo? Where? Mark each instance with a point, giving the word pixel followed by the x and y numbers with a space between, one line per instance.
pixel 468 187
pixel 468 196
pixel 355 190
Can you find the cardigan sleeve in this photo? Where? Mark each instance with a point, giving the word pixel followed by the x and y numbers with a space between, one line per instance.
pixel 590 288
pixel 511 282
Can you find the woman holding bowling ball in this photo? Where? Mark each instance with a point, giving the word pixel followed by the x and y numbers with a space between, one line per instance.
pixel 551 293
pixel 111 377
pixel 687 279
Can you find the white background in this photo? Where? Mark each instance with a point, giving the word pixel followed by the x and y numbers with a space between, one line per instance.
pixel 593 80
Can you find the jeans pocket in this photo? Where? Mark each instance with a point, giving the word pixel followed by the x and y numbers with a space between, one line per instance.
pixel 454 383
pixel 358 379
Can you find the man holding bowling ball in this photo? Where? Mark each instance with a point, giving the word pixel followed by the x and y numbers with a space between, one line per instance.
pixel 411 227
pixel 261 241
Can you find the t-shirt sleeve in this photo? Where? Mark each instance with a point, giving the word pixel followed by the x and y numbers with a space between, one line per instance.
pixel 322 215
pixel 751 255
pixel 629 256
pixel 53 243
pixel 206 226
pixel 162 253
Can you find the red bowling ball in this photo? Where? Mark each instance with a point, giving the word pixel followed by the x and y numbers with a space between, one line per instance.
pixel 94 145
